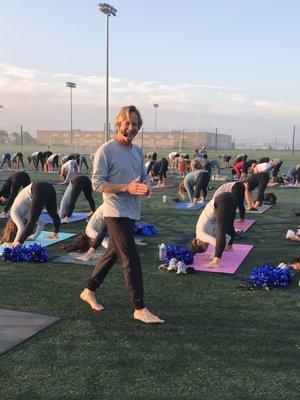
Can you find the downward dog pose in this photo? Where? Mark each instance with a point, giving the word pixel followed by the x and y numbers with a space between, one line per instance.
pixel 238 191
pixel 195 186
pixel 67 205
pixel 276 163
pixel 25 212
pixel 172 158
pixel 293 175
pixel 261 181
pixel 247 167
pixel 215 226
pixel 11 188
pixel 159 169
pixel 81 160
pixel 36 158
pixel 52 163
pixel 5 160
pixel 238 169
pixel 225 159
pixel 261 167
pixel 67 169
pixel 17 161
pixel 119 173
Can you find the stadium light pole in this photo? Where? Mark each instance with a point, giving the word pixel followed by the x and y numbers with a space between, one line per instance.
pixel 155 105
pixel 109 11
pixel 72 86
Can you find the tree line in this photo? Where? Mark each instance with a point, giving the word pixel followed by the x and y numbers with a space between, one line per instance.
pixel 15 138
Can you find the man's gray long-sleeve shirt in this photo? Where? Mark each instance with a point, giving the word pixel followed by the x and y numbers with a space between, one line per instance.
pixel 118 164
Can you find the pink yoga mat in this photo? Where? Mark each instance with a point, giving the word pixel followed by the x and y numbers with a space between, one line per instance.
pixel 230 261
pixel 243 226
pixel 167 185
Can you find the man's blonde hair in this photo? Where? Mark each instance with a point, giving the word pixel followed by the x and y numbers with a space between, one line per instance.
pixel 124 114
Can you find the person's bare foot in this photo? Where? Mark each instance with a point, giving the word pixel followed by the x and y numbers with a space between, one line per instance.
pixel 147 317
pixel 89 297
pixel 65 220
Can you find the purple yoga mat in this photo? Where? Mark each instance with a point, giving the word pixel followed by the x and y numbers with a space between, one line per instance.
pixel 243 226
pixel 230 261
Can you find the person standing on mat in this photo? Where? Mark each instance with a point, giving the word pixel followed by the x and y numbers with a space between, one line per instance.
pixel 261 181
pixel 26 210
pixel 119 173
pixel 11 188
pixel 67 204
pixel 215 226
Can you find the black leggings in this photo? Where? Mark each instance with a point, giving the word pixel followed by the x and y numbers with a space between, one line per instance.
pixel 122 246
pixel 163 168
pixel 55 161
pixel 99 238
pixel 13 185
pixel 225 206
pixel 276 169
pixel 261 181
pixel 201 184
pixel 43 195
pixel 36 159
pixel 83 162
pixel 80 183
pixel 238 190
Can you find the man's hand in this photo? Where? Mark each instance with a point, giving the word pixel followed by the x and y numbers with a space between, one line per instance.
pixel 16 244
pixel 53 235
pixel 137 188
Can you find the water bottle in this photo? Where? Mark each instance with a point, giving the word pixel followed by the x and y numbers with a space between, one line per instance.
pixel 162 254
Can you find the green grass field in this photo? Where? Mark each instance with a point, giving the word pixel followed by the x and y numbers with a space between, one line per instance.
pixel 218 342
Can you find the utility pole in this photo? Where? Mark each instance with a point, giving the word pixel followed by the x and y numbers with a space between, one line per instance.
pixel 21 137
pixel 293 144
pixel 216 141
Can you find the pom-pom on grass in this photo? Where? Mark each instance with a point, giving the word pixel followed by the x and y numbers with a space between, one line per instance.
pixel 34 253
pixel 267 276
pixel 144 230
pixel 180 253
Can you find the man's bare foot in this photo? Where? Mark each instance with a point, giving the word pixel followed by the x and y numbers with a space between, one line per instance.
pixel 65 220
pixel 82 257
pixel 146 316
pixel 89 297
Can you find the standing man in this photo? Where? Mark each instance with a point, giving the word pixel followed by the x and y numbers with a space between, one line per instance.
pixel 119 173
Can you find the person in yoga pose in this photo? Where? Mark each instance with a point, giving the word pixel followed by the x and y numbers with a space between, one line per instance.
pixel 52 163
pixel 215 226
pixel 238 190
pixel 17 161
pixel 36 158
pixel 293 175
pixel 26 210
pixel 261 181
pixel 67 204
pixel 119 173
pixel 5 160
pixel 159 169
pixel 11 188
pixel 68 169
pixel 195 185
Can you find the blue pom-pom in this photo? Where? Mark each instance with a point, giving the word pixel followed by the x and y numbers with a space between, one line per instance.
pixel 269 276
pixel 34 253
pixel 180 253
pixel 144 230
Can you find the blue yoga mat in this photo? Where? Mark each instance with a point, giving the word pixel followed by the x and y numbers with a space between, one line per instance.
pixel 76 216
pixel 44 241
pixel 184 206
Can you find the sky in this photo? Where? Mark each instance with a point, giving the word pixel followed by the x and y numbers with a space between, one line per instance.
pixel 226 64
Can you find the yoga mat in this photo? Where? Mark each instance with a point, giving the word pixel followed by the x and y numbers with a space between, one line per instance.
pixel 290 185
pixel 76 216
pixel 271 184
pixel 16 326
pixel 261 209
pixel 244 226
pixel 167 185
pixel 184 206
pixel 43 240
pixel 230 261
pixel 70 258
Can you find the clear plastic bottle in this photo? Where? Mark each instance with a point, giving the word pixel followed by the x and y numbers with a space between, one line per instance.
pixel 162 254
